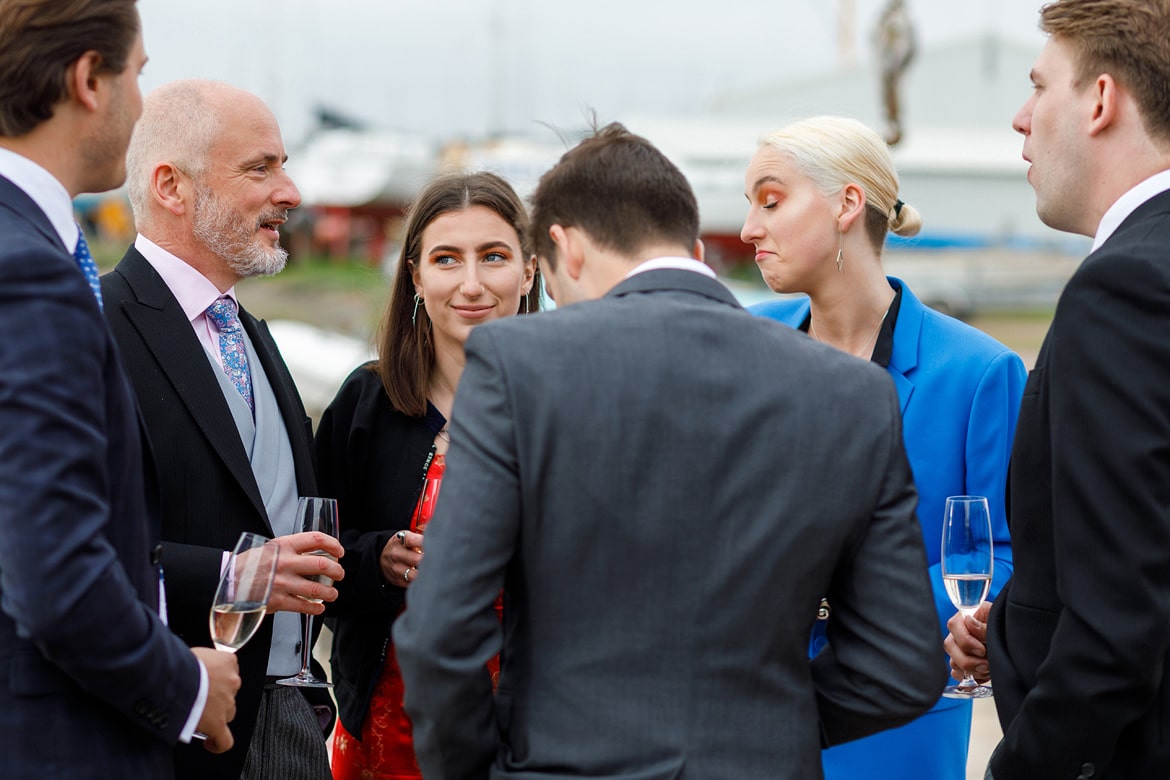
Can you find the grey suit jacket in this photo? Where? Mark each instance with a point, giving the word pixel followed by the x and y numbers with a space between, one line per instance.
pixel 614 468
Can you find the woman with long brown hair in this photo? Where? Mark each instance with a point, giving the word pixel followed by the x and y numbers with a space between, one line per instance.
pixel 384 437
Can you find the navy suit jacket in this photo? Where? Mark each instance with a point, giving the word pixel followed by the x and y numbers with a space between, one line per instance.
pixel 92 684
pixel 208 491
pixel 1079 638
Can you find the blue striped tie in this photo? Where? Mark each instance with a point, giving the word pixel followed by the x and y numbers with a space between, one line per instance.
pixel 88 266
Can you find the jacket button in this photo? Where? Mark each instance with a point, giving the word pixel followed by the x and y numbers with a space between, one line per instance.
pixel 156 555
pixel 1088 770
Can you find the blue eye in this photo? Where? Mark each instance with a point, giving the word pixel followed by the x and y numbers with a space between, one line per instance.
pixel 496 257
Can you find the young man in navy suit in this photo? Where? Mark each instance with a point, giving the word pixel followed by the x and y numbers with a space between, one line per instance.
pixel 92 683
pixel 1078 641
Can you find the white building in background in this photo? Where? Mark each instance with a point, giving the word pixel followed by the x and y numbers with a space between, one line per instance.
pixel 959 161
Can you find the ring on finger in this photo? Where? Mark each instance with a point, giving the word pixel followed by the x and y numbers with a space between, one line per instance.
pixel 406 574
pixel 401 537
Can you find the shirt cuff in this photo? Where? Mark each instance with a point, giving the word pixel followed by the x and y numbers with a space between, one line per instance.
pixel 197 708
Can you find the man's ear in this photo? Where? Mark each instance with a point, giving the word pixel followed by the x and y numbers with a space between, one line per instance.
pixel 570 246
pixel 1106 106
pixel 81 80
pixel 170 188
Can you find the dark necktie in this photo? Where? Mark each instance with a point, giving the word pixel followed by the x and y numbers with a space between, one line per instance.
pixel 231 346
pixel 88 266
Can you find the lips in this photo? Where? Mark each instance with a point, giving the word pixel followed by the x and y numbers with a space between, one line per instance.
pixel 270 224
pixel 473 312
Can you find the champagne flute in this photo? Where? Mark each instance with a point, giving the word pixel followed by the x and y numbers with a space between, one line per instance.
pixel 314 514
pixel 242 596
pixel 967 564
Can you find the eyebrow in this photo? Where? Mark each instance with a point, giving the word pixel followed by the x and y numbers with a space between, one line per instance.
pixel 265 158
pixel 760 182
pixel 494 244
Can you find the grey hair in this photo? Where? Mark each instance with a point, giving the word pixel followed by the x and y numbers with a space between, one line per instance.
pixel 178 126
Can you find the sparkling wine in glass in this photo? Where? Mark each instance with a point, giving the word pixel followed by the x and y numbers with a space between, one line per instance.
pixel 241 599
pixel 313 514
pixel 242 596
pixel 967 565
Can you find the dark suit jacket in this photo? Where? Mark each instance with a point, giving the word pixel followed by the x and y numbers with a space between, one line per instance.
pixel 1079 637
pixel 91 682
pixel 208 491
pixel 614 467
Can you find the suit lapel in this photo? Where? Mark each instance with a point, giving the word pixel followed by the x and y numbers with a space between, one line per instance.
pixel 907 337
pixel 24 207
pixel 167 334
pixel 292 411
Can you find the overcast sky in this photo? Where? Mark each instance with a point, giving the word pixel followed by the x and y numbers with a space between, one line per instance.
pixel 464 68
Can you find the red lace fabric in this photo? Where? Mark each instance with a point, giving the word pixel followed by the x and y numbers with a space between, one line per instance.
pixel 385 750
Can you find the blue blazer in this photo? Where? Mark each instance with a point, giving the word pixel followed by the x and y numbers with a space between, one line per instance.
pixel 92 684
pixel 960 393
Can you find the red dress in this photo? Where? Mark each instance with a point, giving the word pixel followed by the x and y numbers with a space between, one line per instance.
pixel 386 749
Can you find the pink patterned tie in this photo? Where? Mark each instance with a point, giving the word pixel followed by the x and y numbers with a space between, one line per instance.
pixel 231 346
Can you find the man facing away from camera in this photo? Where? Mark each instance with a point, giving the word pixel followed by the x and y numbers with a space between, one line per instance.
pixel 613 470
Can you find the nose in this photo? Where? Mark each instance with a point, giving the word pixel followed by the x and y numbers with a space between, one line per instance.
pixel 1022 121
pixel 751 229
pixel 471 286
pixel 286 195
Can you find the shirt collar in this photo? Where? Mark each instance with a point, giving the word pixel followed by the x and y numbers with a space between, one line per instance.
pixel 44 189
pixel 678 263
pixel 191 289
pixel 1128 204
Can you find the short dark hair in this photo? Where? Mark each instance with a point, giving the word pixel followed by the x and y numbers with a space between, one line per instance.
pixel 40 39
pixel 406 352
pixel 620 190
pixel 1129 40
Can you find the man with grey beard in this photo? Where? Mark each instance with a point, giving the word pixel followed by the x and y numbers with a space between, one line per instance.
pixel 230 437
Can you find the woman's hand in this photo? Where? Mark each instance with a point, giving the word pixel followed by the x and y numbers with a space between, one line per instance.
pixel 400 558
pixel 967 644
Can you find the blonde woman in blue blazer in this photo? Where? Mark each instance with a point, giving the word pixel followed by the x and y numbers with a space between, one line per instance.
pixel 823 194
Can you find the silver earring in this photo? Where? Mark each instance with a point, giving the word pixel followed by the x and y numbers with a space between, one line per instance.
pixel 414 314
pixel 839 261
pixel 524 303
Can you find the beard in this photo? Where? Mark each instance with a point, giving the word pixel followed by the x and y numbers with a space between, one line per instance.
pixel 232 237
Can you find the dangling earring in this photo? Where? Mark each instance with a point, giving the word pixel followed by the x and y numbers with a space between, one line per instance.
pixel 524 303
pixel 414 314
pixel 840 257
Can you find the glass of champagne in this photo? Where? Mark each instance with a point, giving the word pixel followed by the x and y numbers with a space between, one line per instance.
pixel 967 564
pixel 313 514
pixel 242 596
pixel 241 599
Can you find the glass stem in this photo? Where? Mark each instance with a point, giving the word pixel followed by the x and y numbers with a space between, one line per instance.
pixel 307 648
